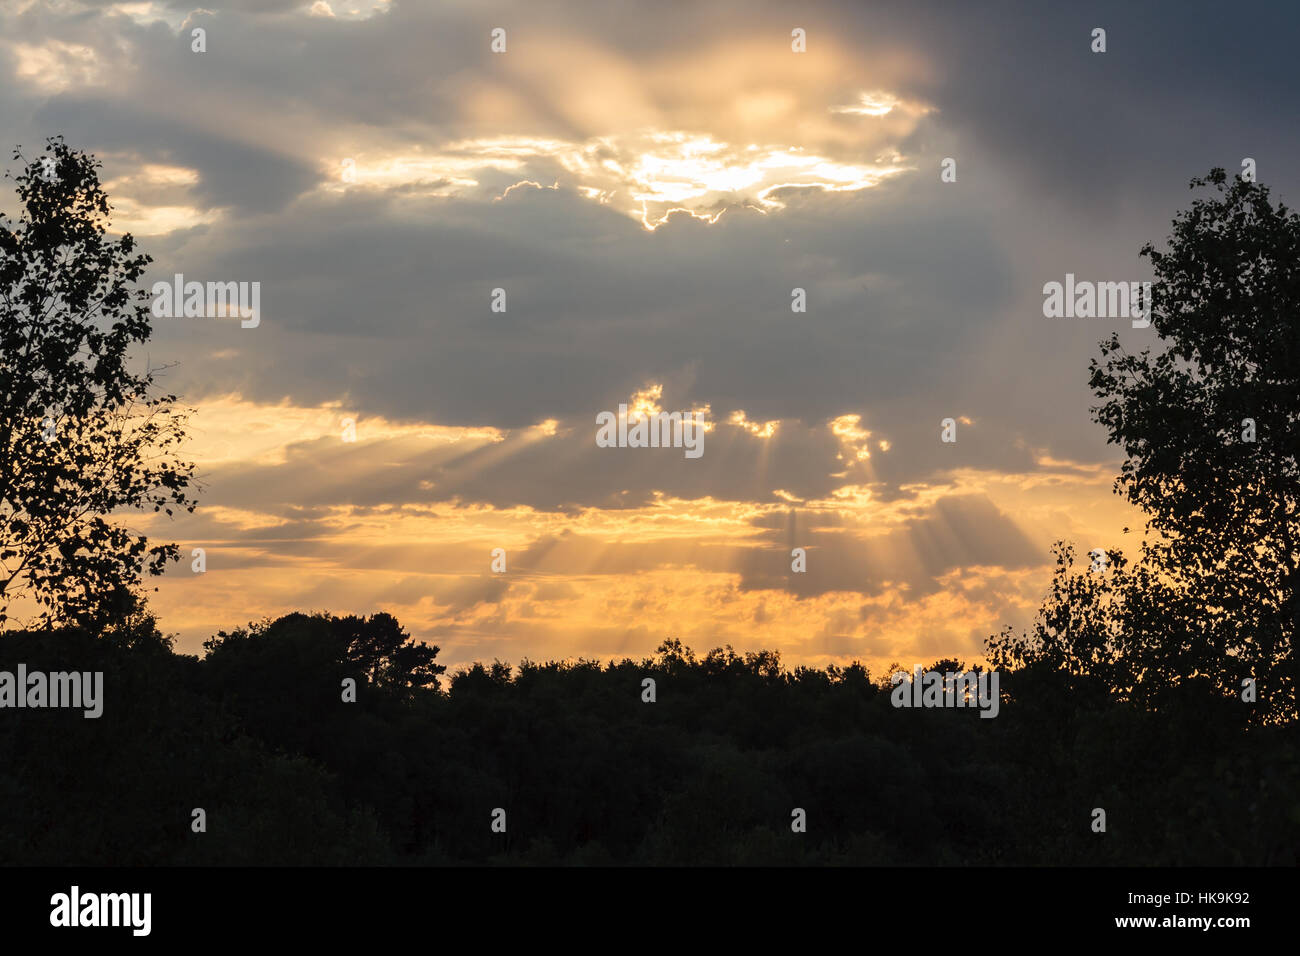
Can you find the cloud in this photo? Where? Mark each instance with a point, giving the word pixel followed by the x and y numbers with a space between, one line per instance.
pixel 648 191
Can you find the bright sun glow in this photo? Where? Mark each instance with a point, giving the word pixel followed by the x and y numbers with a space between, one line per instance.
pixel 647 175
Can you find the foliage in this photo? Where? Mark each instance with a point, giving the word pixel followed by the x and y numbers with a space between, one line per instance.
pixel 257 733
pixel 1210 426
pixel 82 436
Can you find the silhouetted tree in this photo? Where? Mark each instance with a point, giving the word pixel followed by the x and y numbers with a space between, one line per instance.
pixel 257 733
pixel 1210 426
pixel 1224 558
pixel 385 652
pixel 81 435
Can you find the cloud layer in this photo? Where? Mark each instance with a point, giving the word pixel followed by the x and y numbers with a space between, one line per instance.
pixel 648 191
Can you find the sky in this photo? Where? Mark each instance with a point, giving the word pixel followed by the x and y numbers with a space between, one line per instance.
pixel 647 183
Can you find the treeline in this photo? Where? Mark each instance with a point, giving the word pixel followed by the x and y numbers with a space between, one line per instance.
pixel 258 735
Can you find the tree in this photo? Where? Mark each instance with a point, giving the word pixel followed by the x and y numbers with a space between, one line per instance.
pixel 385 652
pixel 377 649
pixel 1210 426
pixel 82 437
pixel 1083 635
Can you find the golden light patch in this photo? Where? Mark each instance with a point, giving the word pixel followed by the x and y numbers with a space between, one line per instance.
pixel 877 103
pixel 852 437
pixel 645 402
pixel 232 429
pixel 55 66
pixel 141 220
pixel 758 430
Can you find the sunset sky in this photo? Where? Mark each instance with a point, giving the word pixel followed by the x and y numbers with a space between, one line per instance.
pixel 648 183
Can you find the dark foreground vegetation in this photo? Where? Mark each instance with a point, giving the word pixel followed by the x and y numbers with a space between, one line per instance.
pixel 258 735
